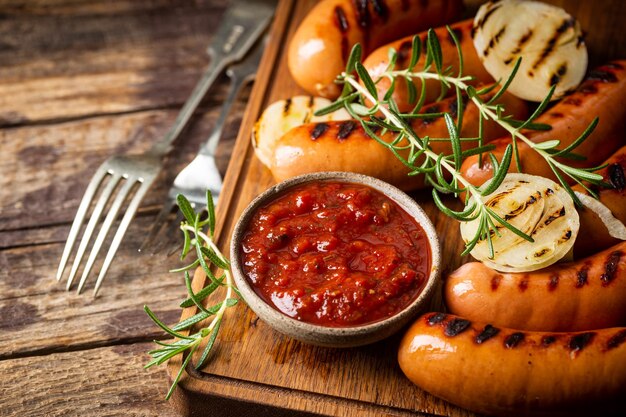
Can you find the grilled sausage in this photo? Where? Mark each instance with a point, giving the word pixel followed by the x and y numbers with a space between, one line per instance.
pixel 505 372
pixel 377 62
pixel 345 146
pixel 600 94
pixel 594 234
pixel 586 294
pixel 319 49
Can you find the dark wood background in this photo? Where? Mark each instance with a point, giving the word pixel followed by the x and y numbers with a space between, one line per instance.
pixel 81 80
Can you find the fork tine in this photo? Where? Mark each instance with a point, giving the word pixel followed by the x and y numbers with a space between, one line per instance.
pixel 119 235
pixel 158 224
pixel 93 186
pixel 108 221
pixel 93 221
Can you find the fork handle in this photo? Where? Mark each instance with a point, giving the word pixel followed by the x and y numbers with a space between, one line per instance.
pixel 237 82
pixel 215 68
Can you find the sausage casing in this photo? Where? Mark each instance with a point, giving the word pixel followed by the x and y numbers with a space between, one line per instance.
pixel 600 94
pixel 506 372
pixel 345 146
pixel 320 47
pixel 377 62
pixel 593 233
pixel 586 294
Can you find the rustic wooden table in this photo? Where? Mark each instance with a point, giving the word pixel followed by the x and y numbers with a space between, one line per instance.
pixel 80 81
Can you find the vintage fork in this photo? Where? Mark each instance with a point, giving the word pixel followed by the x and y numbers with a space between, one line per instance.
pixel 130 176
pixel 201 174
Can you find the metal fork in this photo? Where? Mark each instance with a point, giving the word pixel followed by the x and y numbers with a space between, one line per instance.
pixel 202 173
pixel 130 177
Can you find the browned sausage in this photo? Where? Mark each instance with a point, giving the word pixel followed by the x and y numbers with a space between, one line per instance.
pixel 345 146
pixel 586 294
pixel 377 62
pixel 506 372
pixel 594 235
pixel 320 47
pixel 601 94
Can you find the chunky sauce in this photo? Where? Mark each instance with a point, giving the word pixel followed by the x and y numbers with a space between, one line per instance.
pixel 335 254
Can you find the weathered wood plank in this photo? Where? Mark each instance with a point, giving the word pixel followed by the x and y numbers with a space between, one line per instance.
pixel 44 170
pixel 37 315
pixel 108 381
pixel 82 59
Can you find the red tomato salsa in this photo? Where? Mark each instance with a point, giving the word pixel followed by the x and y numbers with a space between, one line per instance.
pixel 335 254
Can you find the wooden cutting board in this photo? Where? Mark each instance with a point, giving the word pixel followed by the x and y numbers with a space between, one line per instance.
pixel 257 371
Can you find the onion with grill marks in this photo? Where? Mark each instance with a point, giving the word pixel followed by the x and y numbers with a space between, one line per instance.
pixel 536 206
pixel 549 41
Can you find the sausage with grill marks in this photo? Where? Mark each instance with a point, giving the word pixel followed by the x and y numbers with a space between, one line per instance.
pixel 594 235
pixel 377 62
pixel 586 294
pixel 503 372
pixel 345 146
pixel 319 49
pixel 600 94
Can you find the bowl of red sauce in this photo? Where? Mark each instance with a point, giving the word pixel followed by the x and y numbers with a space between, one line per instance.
pixel 335 259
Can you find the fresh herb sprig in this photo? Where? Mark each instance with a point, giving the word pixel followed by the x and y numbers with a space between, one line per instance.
pixel 363 104
pixel 201 243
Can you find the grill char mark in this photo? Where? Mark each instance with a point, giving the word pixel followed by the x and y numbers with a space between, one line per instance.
pixel 580 341
pixel 436 318
pixel 345 129
pixel 488 332
pixel 616 340
pixel 404 51
pixel 567 23
pixel 380 8
pixel 560 72
pixel 582 276
pixel 601 75
pixel 514 340
pixel 456 326
pixel 459 36
pixel 342 23
pixel 495 282
pixel 431 109
pixel 523 283
pixel 318 130
pixel 363 19
pixel 482 22
pixel 617 177
pixel 554 282
pixel 610 268
pixel 341 20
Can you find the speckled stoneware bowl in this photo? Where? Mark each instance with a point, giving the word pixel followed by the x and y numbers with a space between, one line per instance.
pixel 335 336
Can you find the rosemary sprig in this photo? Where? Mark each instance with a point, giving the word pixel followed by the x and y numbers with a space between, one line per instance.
pixel 207 254
pixel 362 102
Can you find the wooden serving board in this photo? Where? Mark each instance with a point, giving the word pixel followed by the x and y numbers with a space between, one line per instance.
pixel 257 371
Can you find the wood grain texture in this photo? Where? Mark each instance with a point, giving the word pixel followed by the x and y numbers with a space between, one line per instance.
pixel 37 315
pixel 286 374
pixel 102 58
pixel 108 381
pixel 46 168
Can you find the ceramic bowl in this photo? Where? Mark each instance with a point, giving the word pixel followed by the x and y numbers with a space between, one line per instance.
pixel 335 336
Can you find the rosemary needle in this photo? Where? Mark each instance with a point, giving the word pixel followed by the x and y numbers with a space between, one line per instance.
pixel 362 102
pixel 199 242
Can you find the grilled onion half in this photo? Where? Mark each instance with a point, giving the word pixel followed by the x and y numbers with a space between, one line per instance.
pixel 283 115
pixel 536 206
pixel 549 41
